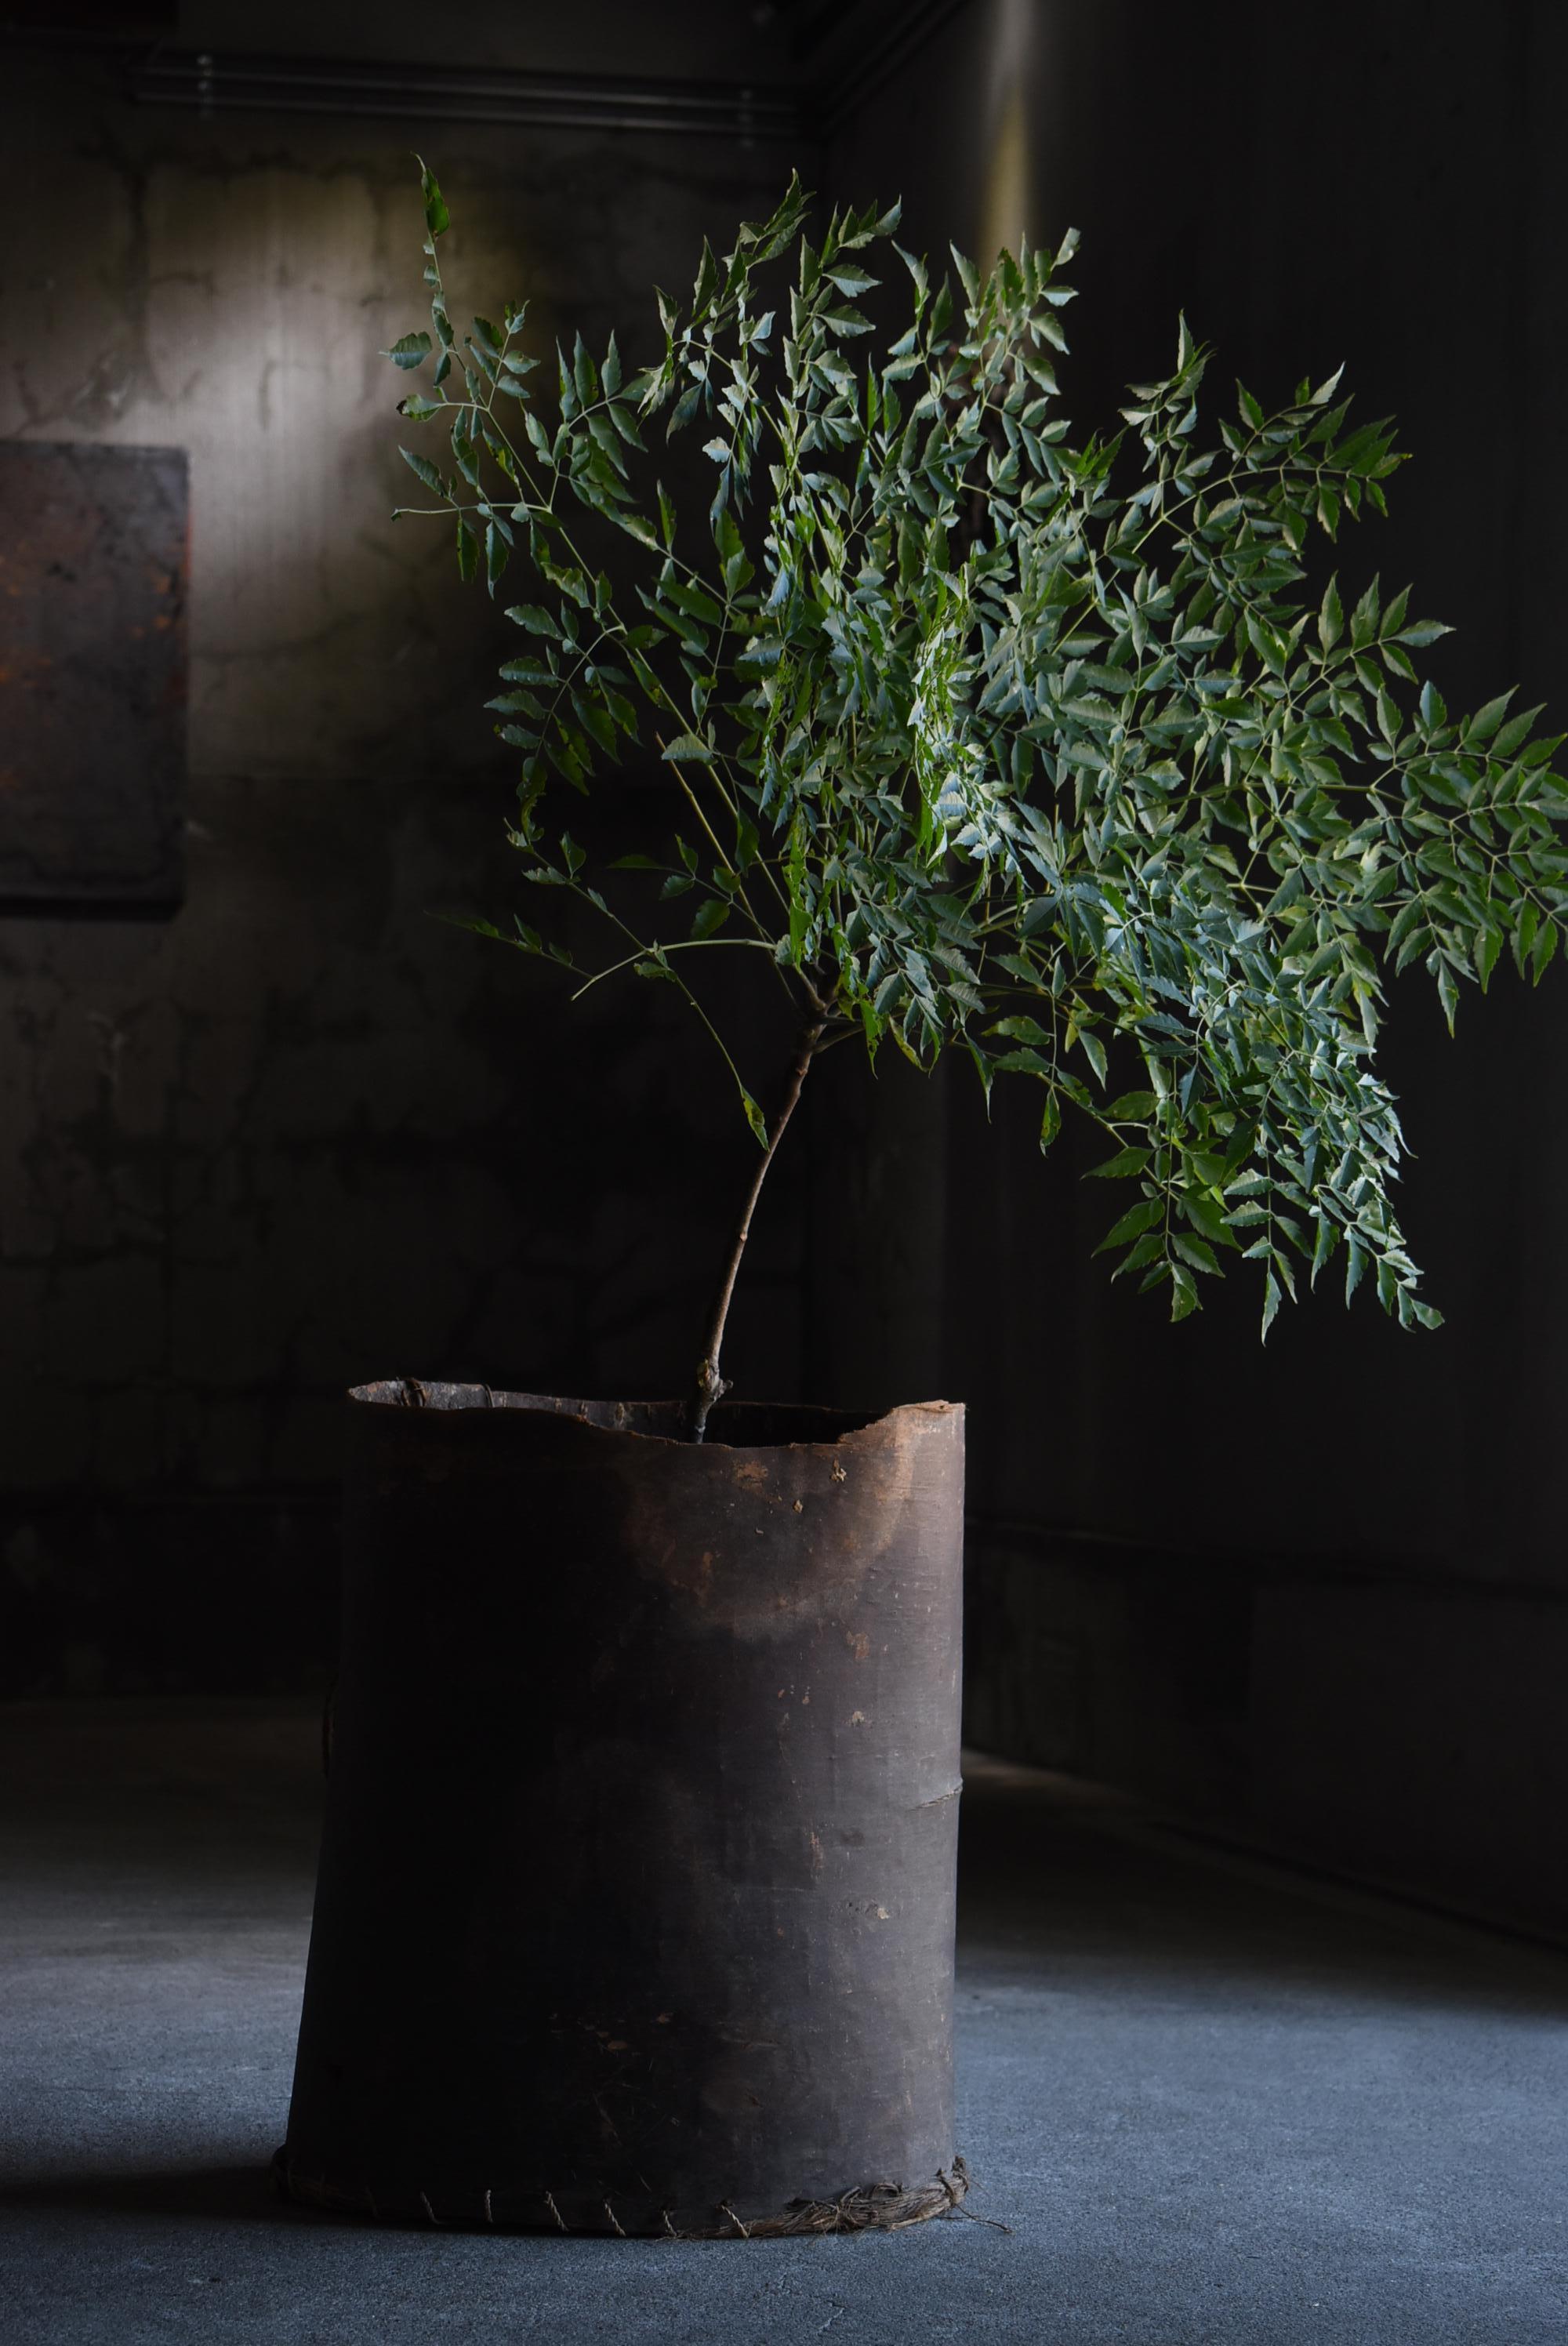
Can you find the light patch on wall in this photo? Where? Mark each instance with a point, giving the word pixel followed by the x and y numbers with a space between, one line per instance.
pixel 269 298
pixel 235 312
pixel 1007 203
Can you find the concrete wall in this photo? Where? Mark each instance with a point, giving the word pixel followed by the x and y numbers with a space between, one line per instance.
pixel 1383 1508
pixel 303 1133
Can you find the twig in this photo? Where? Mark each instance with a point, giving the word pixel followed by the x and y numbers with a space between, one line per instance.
pixel 710 1387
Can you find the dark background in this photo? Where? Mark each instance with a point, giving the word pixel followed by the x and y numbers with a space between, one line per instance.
pixel 300 1133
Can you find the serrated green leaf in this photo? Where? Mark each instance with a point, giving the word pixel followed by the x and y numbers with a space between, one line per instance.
pixel 1125 1162
pixel 1134 1222
pixel 423 470
pixel 1196 1252
pixel 1541 953
pixel 1184 1293
pixel 410 350
pixel 1331 616
pixel 1488 947
pixel 1206 1217
pixel 537 620
pixel 496 554
pixel 1093 1050
pixel 437 219
pixel 1486 720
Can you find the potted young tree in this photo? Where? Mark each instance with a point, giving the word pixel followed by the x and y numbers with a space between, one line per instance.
pixel 1053 754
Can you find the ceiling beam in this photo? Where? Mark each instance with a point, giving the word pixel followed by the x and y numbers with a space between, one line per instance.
pixel 843 55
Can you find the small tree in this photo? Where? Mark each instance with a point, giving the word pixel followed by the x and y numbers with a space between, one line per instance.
pixel 994 741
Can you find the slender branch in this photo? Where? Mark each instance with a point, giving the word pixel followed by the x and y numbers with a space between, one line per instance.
pixel 710 1387
pixel 681 945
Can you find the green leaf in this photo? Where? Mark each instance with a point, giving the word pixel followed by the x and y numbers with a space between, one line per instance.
pixel 538 622
pixel 437 219
pixel 410 350
pixel 1545 946
pixel 1150 1248
pixel 1330 617
pixel 1125 1161
pixel 1206 1215
pixel 1448 993
pixel 1134 1222
pixel 689 747
pixel 1184 1293
pixel 1525 932
pixel 1488 947
pixel 423 470
pixel 496 554
pixel 1485 722
pixel 1516 732
pixel 754 1116
pixel 467 553
pixel 1196 1252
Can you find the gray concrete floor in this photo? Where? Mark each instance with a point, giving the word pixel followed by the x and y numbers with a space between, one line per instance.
pixel 1214 2101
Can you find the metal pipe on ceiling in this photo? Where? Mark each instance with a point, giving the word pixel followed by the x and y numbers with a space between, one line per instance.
pixel 439 94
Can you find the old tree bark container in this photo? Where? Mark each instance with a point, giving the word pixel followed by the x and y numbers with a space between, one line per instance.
pixel 636 1906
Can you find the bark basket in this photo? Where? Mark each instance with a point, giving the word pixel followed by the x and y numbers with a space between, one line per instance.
pixel 636 1903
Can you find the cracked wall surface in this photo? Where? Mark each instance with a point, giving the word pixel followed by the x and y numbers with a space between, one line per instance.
pixel 303 1133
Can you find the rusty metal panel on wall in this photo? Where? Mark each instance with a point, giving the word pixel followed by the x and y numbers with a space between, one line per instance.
pixel 93 663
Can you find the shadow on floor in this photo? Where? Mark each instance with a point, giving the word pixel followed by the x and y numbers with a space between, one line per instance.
pixel 1059 1880
pixel 212 2193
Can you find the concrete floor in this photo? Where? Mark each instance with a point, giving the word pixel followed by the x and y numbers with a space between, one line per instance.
pixel 1214 2102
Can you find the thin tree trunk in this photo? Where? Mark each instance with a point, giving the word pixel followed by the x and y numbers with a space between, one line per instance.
pixel 710 1387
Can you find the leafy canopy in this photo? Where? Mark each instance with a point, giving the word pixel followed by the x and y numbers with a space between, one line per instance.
pixel 991 740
